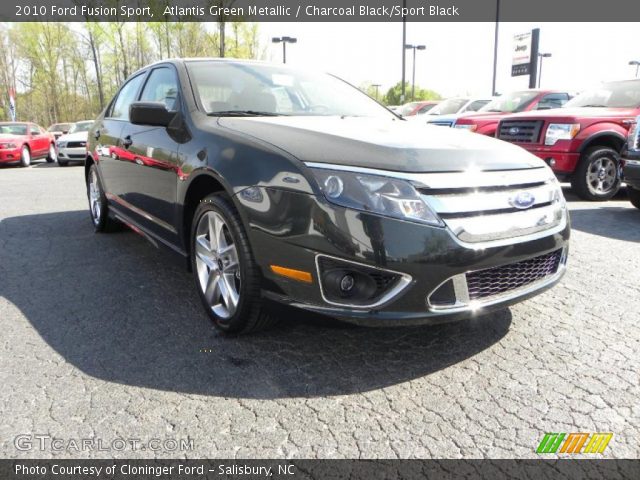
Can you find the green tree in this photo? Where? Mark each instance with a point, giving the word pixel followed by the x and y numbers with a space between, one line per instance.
pixel 394 94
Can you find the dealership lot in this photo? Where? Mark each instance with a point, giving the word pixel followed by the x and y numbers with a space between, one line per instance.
pixel 103 338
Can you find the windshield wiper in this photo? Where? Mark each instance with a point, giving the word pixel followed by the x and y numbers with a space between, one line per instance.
pixel 595 105
pixel 244 113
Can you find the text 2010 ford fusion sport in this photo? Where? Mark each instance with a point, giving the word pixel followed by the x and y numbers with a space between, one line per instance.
pixel 296 187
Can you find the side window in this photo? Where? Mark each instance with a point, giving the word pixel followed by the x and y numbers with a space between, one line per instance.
pixel 125 98
pixel 162 86
pixel 552 100
pixel 477 105
pixel 35 130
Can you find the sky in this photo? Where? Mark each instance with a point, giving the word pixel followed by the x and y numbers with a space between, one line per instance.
pixel 458 59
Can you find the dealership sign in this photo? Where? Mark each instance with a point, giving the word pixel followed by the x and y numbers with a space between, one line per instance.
pixel 521 59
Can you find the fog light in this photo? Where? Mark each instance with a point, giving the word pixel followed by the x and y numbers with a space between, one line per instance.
pixel 347 283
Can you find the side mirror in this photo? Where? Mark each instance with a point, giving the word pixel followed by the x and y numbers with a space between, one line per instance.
pixel 150 113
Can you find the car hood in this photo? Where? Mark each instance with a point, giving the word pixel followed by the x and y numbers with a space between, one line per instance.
pixel 9 136
pixel 74 137
pixel 577 112
pixel 384 144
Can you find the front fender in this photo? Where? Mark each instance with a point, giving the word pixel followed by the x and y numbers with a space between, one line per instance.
pixel 592 133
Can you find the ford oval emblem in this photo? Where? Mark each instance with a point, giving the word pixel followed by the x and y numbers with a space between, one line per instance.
pixel 522 200
pixel 514 131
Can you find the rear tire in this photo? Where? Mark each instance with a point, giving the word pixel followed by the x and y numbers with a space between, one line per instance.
pixel 225 273
pixel 634 196
pixel 25 156
pixel 596 178
pixel 98 206
pixel 52 155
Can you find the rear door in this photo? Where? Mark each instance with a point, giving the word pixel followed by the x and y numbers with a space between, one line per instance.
pixel 153 176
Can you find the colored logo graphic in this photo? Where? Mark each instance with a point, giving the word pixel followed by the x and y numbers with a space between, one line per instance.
pixel 574 442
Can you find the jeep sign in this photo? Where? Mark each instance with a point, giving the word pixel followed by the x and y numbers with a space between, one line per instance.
pixel 521 59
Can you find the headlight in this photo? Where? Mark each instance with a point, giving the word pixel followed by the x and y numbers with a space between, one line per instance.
pixel 61 144
pixel 389 197
pixel 471 128
pixel 560 131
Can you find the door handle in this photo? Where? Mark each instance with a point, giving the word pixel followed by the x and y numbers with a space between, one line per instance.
pixel 96 134
pixel 127 142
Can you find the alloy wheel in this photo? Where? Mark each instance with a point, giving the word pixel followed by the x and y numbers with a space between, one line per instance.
pixel 26 156
pixel 94 197
pixel 602 176
pixel 52 153
pixel 217 265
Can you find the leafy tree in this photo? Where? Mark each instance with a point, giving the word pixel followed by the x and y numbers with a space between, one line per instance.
pixel 393 95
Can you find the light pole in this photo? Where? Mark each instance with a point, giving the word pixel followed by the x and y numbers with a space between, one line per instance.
pixel 376 86
pixel 636 63
pixel 495 49
pixel 284 41
pixel 541 56
pixel 413 81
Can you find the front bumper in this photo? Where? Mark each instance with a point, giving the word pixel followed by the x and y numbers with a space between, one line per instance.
pixel 72 154
pixel 10 156
pixel 561 162
pixel 292 229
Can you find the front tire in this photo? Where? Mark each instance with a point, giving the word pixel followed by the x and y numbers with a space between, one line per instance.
pixel 62 163
pixel 52 155
pixel 596 178
pixel 226 275
pixel 25 156
pixel 98 206
pixel 634 196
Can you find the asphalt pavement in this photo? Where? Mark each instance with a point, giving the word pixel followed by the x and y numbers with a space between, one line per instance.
pixel 103 341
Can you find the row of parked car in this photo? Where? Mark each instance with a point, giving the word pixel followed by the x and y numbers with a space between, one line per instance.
pixel 22 142
pixel 579 137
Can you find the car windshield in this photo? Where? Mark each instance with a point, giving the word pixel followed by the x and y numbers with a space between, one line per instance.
pixel 510 102
pixel 231 89
pixel 13 129
pixel 407 108
pixel 59 127
pixel 449 106
pixel 81 127
pixel 613 95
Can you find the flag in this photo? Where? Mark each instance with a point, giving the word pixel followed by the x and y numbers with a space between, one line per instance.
pixel 12 104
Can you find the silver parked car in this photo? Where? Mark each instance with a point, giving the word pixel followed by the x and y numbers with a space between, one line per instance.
pixel 72 147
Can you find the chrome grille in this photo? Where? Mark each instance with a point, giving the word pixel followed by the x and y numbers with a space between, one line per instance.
pixel 498 280
pixel 443 123
pixel 482 206
pixel 76 144
pixel 520 131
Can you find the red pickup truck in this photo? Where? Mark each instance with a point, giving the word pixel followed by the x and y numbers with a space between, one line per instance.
pixel 486 119
pixel 582 141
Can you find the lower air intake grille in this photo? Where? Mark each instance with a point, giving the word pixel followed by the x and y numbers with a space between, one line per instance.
pixel 498 280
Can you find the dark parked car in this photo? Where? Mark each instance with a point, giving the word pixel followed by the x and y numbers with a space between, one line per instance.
pixel 293 186
pixel 631 163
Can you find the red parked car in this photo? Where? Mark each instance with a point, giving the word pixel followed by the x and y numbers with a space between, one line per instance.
pixel 416 108
pixel 486 119
pixel 582 141
pixel 22 142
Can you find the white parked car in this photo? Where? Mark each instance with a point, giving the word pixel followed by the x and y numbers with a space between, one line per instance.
pixel 447 111
pixel 72 147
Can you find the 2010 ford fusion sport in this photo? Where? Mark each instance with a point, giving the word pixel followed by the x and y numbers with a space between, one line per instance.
pixel 291 186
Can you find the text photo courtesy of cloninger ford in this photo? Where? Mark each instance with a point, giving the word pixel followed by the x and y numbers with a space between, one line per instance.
pixel 376 240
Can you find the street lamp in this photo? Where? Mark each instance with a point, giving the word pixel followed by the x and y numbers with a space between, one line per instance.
pixel 413 82
pixel 376 86
pixel 284 41
pixel 636 63
pixel 541 56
